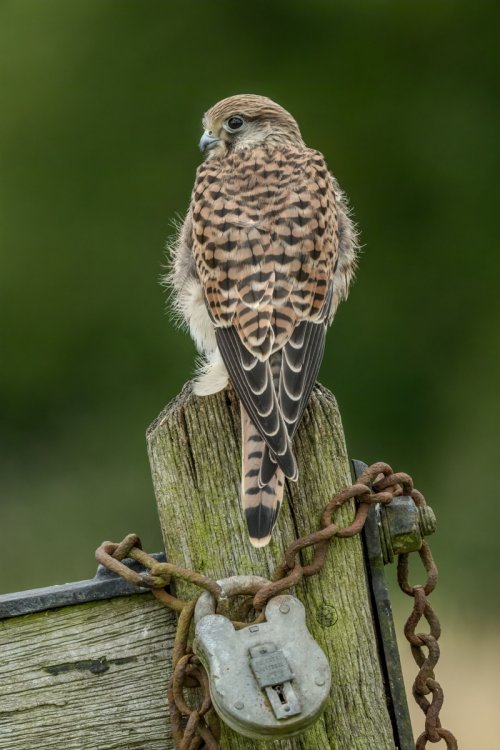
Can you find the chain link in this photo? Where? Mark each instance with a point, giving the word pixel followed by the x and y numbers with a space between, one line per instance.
pixel 198 728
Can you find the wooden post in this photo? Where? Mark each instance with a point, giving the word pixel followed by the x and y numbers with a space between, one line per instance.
pixel 194 448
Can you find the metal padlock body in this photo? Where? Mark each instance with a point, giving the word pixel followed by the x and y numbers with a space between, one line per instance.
pixel 287 652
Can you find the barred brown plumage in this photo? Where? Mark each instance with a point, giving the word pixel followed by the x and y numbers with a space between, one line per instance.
pixel 265 254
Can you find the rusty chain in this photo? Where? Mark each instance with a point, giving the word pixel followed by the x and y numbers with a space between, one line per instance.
pixel 197 727
pixel 425 682
pixel 193 727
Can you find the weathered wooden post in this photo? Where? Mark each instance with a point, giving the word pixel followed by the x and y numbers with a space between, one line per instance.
pixel 194 449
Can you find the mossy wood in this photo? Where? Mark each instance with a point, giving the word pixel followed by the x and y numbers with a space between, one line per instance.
pixel 195 450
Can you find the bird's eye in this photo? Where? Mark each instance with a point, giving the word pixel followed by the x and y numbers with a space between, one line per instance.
pixel 235 123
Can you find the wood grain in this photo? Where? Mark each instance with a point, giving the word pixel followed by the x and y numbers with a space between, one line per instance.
pixel 87 677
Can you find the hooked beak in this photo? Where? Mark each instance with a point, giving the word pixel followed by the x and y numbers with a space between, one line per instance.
pixel 208 141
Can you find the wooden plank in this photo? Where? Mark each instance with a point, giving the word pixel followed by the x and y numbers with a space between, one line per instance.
pixel 87 677
pixel 194 448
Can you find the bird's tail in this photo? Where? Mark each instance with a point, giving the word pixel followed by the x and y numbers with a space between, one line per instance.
pixel 261 504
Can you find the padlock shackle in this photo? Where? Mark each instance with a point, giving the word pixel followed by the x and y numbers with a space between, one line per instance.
pixel 232 586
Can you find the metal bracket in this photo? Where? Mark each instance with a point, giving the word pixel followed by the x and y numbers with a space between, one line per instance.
pixel 105 585
pixel 384 624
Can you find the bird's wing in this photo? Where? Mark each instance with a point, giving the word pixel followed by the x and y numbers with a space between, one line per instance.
pixel 300 362
pixel 253 382
pixel 265 245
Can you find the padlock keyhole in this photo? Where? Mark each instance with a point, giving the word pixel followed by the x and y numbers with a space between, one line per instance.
pixel 281 695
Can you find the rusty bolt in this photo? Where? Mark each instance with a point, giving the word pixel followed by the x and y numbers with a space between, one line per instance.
pixel 426 520
pixel 402 526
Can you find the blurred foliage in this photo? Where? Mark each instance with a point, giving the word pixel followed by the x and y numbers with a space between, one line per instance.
pixel 100 122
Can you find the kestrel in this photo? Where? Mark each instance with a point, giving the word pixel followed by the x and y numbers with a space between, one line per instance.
pixel 264 256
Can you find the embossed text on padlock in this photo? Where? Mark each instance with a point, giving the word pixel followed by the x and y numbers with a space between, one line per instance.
pixel 268 680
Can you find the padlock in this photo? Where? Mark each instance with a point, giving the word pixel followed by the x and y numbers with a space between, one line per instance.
pixel 267 680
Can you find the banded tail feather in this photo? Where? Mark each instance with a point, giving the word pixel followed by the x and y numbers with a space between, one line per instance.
pixel 261 505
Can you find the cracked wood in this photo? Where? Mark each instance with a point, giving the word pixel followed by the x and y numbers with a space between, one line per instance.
pixel 87 677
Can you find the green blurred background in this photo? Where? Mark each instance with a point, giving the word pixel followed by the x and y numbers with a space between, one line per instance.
pixel 101 108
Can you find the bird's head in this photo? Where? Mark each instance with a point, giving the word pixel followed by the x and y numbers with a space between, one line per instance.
pixel 246 121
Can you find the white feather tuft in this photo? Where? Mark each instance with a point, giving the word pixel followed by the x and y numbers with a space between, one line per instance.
pixel 212 377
